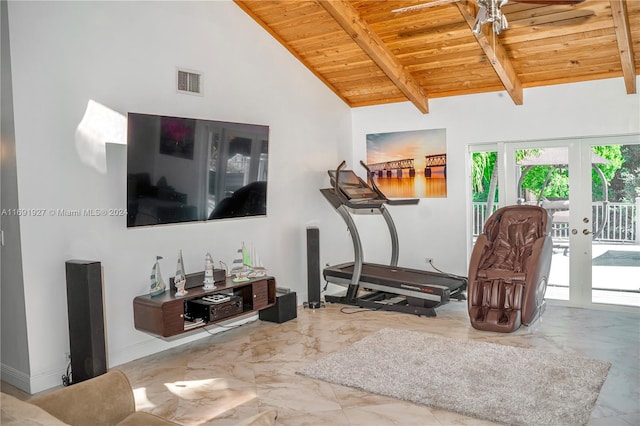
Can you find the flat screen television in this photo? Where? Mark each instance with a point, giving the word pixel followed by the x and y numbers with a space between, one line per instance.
pixel 187 169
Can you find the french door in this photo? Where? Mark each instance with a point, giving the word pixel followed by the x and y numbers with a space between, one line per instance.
pixel 566 178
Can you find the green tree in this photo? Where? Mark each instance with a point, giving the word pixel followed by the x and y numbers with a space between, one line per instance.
pixel 631 186
pixel 482 163
pixel 555 178
pixel 612 153
pixel 625 184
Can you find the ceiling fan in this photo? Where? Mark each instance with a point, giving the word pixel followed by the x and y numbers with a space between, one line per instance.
pixel 490 11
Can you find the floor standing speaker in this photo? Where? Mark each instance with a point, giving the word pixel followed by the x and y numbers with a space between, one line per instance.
pixel 313 268
pixel 86 319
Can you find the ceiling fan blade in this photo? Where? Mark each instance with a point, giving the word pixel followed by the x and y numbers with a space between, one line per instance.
pixel 550 2
pixel 432 3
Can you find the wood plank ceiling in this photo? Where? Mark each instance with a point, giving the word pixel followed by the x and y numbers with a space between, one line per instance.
pixel 369 55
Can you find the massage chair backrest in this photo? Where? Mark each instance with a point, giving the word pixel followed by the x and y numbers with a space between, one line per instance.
pixel 512 231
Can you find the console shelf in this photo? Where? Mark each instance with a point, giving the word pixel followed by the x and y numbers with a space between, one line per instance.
pixel 164 315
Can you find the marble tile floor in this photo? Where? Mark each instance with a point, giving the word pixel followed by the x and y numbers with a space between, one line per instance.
pixel 229 376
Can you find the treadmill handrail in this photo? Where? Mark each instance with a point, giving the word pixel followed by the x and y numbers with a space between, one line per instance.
pixel 341 205
pixel 395 202
pixel 395 244
pixel 358 254
pixel 336 183
pixel 373 182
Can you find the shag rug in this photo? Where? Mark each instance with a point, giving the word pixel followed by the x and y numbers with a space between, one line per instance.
pixel 500 383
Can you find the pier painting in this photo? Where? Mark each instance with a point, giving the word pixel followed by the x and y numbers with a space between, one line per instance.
pixel 411 164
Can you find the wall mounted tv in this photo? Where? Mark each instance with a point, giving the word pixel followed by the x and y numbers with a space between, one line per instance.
pixel 186 169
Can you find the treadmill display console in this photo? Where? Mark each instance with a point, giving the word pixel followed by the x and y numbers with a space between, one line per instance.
pixel 352 186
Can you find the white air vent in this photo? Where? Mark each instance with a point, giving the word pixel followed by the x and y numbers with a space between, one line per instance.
pixel 189 82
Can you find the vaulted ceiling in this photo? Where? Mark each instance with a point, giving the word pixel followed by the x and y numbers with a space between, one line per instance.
pixel 369 53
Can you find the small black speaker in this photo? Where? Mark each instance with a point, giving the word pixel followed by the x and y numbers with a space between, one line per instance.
pixel 313 268
pixel 86 319
pixel 284 310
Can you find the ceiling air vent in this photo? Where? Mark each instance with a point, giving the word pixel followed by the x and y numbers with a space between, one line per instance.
pixel 189 82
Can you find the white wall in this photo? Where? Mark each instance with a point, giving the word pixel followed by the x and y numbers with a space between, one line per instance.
pixel 123 55
pixel 436 228
pixel 13 316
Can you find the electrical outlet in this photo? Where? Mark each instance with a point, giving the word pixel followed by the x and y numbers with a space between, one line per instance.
pixel 429 260
pixel 67 356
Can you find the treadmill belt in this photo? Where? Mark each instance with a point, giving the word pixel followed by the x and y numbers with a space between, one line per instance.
pixel 384 275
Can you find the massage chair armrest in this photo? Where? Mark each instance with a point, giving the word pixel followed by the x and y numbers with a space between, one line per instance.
pixel 474 263
pixel 103 400
pixel 478 250
pixel 537 267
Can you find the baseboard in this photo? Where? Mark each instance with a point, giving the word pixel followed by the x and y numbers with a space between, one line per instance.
pixel 47 380
pixel 15 378
pixel 32 384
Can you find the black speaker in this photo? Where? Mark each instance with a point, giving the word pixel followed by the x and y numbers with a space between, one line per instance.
pixel 313 268
pixel 86 319
pixel 284 310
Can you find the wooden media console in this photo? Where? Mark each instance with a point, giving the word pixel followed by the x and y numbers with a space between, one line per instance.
pixel 164 315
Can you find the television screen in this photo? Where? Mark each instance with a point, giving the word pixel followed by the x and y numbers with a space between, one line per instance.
pixel 186 169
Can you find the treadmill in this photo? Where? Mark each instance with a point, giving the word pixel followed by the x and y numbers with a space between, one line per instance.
pixel 376 286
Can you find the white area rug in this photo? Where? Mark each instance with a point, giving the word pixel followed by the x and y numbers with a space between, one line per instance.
pixel 489 381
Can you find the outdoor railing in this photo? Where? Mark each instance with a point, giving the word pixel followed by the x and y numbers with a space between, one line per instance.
pixel 622 226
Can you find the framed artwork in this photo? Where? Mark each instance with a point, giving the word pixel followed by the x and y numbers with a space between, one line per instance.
pixel 411 164
pixel 177 137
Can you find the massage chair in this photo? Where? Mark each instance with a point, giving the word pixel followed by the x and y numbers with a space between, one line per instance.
pixel 509 269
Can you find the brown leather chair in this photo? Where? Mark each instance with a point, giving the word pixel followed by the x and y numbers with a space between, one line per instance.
pixel 509 269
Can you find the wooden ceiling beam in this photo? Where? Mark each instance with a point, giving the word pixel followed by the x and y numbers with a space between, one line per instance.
pixel 496 54
pixel 353 24
pixel 625 47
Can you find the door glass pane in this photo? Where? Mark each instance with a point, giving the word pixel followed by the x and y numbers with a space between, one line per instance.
pixel 484 188
pixel 543 180
pixel 616 212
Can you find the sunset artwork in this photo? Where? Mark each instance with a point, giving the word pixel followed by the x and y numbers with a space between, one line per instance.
pixel 411 164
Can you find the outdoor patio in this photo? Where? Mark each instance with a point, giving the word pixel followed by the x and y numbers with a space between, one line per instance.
pixel 615 274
